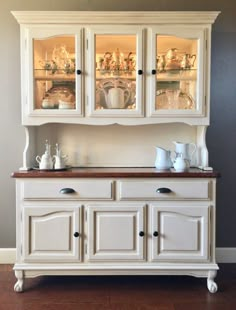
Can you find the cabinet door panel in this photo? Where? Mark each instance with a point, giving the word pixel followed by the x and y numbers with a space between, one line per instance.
pixel 178 56
pixel 53 59
pixel 183 232
pixel 49 233
pixel 115 60
pixel 113 232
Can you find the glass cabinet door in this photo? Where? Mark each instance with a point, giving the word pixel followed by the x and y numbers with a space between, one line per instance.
pixel 177 73
pixel 56 72
pixel 115 62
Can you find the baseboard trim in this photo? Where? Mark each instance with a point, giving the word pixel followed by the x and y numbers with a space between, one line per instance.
pixel 223 255
pixel 226 255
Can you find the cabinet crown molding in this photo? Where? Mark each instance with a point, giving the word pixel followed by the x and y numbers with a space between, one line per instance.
pixel 115 17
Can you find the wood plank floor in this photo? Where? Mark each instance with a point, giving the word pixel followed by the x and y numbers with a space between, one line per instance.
pixel 119 293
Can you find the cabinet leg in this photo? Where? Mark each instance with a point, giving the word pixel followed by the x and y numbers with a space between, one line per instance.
pixel 211 284
pixel 19 286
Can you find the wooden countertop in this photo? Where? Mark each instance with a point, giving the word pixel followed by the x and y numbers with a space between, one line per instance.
pixel 115 172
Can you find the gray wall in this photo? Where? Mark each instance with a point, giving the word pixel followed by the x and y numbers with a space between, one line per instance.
pixel 220 136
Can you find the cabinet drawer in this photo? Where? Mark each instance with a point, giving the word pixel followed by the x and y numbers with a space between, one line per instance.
pixel 68 189
pixel 167 190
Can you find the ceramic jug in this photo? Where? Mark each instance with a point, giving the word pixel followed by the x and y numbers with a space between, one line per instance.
pixel 45 162
pixel 59 159
pixel 163 159
pixel 188 61
pixel 116 98
pixel 161 63
pixel 186 149
pixel 181 164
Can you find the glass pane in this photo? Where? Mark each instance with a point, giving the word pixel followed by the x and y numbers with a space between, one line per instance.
pixel 177 65
pixel 54 73
pixel 115 71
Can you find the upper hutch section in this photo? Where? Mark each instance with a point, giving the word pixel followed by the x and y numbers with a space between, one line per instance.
pixel 115 67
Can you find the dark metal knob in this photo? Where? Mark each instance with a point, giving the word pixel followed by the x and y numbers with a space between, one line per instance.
pixel 163 190
pixel 76 234
pixel 67 190
pixel 155 234
pixel 141 233
pixel 140 72
pixel 78 71
pixel 154 71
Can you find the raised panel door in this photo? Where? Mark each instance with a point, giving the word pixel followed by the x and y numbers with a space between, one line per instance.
pixel 179 232
pixel 52 234
pixel 116 232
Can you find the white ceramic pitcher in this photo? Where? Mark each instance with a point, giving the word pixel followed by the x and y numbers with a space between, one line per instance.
pixel 117 98
pixel 163 159
pixel 181 164
pixel 186 149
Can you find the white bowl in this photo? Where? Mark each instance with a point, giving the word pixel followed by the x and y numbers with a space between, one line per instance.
pixel 65 105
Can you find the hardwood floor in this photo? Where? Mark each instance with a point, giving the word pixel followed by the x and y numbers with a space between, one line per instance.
pixel 118 293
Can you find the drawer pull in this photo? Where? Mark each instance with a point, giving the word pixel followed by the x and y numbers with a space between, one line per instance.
pixel 163 190
pixel 67 190
pixel 141 233
pixel 76 234
pixel 155 234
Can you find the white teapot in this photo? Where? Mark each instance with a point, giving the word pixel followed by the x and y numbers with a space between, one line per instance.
pixel 45 162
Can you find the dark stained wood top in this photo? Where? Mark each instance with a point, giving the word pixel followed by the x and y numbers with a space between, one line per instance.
pixel 115 172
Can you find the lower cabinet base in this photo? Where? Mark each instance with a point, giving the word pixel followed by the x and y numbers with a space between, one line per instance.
pixel 23 271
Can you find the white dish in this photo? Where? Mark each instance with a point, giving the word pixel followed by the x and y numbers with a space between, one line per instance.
pixel 173 99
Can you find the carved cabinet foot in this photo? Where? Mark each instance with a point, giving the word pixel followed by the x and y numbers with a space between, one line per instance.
pixel 211 284
pixel 19 286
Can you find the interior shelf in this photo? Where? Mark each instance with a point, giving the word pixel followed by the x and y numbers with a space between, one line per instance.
pixel 55 78
pixel 177 75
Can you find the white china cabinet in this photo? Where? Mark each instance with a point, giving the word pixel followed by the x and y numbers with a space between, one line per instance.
pixel 84 74
pixel 106 68
pixel 78 66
